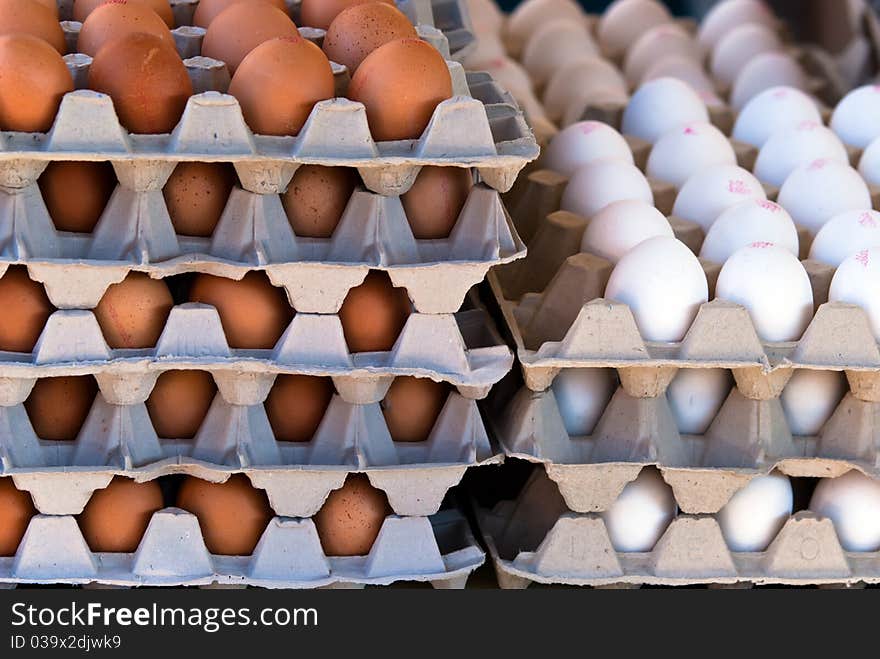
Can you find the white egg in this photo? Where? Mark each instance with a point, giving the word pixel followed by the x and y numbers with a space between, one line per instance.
pixel 856 119
pixel 624 21
pixel 763 72
pixel 622 225
pixel 752 221
pixel 659 41
pixel 486 49
pixel 797 145
pixel 685 69
pixel 738 46
pixel 781 310
pixel 814 193
pixel 583 143
pixel 772 110
pixel 728 15
pixel 663 284
pixel 509 74
pixel 684 151
pixel 532 14
pixel 595 185
pixel 589 98
pixel 844 235
pixel 582 395
pixel 642 512
pixel 553 45
pixel 856 281
pixel 486 17
pixel 661 105
pixel 852 503
pixel 810 398
pixel 707 194
pixel 756 513
pixel 869 163
pixel 695 395
pixel 588 74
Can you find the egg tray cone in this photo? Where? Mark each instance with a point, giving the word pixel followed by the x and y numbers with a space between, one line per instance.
pixel 536 539
pixel 440 550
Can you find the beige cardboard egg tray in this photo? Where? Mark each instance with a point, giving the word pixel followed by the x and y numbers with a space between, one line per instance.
pixel 440 550
pixel 536 539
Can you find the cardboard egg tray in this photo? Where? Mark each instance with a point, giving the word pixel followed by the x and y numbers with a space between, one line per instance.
pixel 440 550
pixel 536 539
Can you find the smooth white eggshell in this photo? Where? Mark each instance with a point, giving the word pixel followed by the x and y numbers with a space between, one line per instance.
pixel 622 225
pixel 869 163
pixel 588 74
pixel 852 503
pixel 485 51
pixel 553 45
pixel 695 395
pixel 738 46
pixel 530 15
pixel 660 41
pixel 708 193
pixel 844 235
pixel 857 281
pixel 814 193
pixel 798 145
pixel 682 68
pixel 755 220
pixel 772 110
pixel 756 513
pixel 642 512
pixel 810 398
pixel 684 151
pixel 486 17
pixel 663 284
pixel 773 286
pixel 595 185
pixel 624 21
pixel 662 105
pixel 730 14
pixel 763 72
pixel 583 143
pixel 582 395
pixel 856 119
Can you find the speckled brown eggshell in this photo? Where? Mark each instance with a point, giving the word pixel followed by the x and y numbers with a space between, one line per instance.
pixel 317 197
pixel 196 194
pixel 16 510
pixel 373 314
pixel 296 404
pixel 58 407
pixel 132 313
pixel 411 407
pixel 400 84
pixel 113 20
pixel 33 80
pixel 208 10
pixel 320 13
pixel 82 9
pixel 232 515
pixel 359 30
pixel 179 402
pixel 433 203
pixel 76 193
pixel 240 28
pixel 115 518
pixel 254 313
pixel 351 517
pixel 26 310
pixel 30 17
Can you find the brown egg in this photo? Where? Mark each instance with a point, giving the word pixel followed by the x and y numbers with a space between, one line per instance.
pixel 58 407
pixel 316 198
pixel 16 510
pixel 296 404
pixel 320 13
pixel 373 314
pixel 27 308
pixel 300 76
pixel 254 313
pixel 240 28
pixel 94 182
pixel 179 403
pixel 82 9
pixel 132 313
pixel 411 407
pixel 196 194
pixel 145 78
pixel 359 30
pixel 208 10
pixel 115 518
pixel 118 18
pixel 232 515
pixel 400 84
pixel 435 200
pixel 51 6
pixel 351 517
pixel 33 79
pixel 30 17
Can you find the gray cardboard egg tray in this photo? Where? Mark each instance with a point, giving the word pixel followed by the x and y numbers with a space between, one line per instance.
pixel 536 539
pixel 440 550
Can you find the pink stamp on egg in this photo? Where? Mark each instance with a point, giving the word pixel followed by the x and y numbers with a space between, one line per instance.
pixel 817 164
pixel 588 127
pixel 690 130
pixel 867 221
pixel 808 124
pixel 737 186
pixel 768 205
pixel 761 244
pixel 862 258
